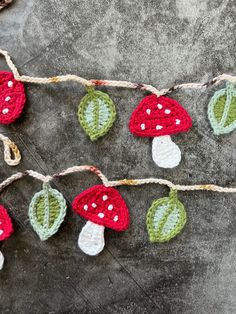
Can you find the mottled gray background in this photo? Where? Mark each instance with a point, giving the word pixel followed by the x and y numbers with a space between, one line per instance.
pixel 157 42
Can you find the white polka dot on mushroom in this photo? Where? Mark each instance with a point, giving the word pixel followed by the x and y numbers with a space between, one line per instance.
pixel 9 83
pixel 159 106
pixel 177 121
pixel 159 127
pixel 115 218
pixel 142 126
pixel 105 197
pixel 85 207
pixel 148 111
pixel 100 215
pixel 110 207
pixel 7 98
pixel 5 111
pixel 1 231
pixel 167 111
pixel 94 205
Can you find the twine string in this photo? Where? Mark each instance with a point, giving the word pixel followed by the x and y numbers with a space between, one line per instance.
pixel 112 83
pixel 121 182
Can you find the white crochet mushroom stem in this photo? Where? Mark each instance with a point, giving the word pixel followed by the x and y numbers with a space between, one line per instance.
pixel 165 153
pixel 1 260
pixel 91 238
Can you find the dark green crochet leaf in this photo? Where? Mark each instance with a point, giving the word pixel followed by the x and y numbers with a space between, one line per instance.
pixel 47 211
pixel 222 110
pixel 96 113
pixel 165 218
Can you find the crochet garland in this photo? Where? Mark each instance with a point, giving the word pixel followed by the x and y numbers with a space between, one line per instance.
pixel 102 206
pixel 156 116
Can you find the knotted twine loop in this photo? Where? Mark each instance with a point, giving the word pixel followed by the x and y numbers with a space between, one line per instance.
pixel 12 155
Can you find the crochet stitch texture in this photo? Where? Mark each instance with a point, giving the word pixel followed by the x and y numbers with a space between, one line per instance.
pixel 47 211
pixel 12 98
pixel 222 110
pixel 165 218
pixel 158 116
pixel 103 206
pixel 6 227
pixel 96 113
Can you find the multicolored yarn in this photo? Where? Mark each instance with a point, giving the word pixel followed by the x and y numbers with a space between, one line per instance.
pixel 47 211
pixel 12 98
pixel 6 228
pixel 222 110
pixel 12 155
pixel 96 113
pixel 103 206
pixel 114 83
pixel 160 117
pixel 165 218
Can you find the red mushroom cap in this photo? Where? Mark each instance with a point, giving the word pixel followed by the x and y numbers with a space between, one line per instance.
pixel 103 206
pixel 12 97
pixel 158 116
pixel 6 228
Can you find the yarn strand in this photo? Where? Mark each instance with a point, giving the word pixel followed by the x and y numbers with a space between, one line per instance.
pixel 121 182
pixel 112 83
pixel 12 155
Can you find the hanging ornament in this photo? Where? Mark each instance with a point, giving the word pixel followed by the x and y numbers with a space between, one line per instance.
pixel 47 211
pixel 6 229
pixel 159 117
pixel 165 218
pixel 96 113
pixel 222 110
pixel 12 98
pixel 102 207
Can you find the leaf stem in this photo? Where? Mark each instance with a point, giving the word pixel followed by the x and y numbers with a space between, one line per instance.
pixel 173 194
pixel 90 89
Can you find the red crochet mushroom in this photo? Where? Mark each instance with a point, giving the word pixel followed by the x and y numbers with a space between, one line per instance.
pixel 12 98
pixel 102 207
pixel 159 117
pixel 6 229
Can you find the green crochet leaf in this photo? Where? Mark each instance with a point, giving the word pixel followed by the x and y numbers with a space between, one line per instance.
pixel 222 110
pixel 96 113
pixel 47 211
pixel 165 218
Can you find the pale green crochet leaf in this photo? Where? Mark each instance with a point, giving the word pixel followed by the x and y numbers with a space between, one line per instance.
pixel 222 110
pixel 47 211
pixel 96 113
pixel 165 218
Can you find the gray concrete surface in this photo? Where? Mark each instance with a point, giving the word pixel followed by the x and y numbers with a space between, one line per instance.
pixel 158 42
